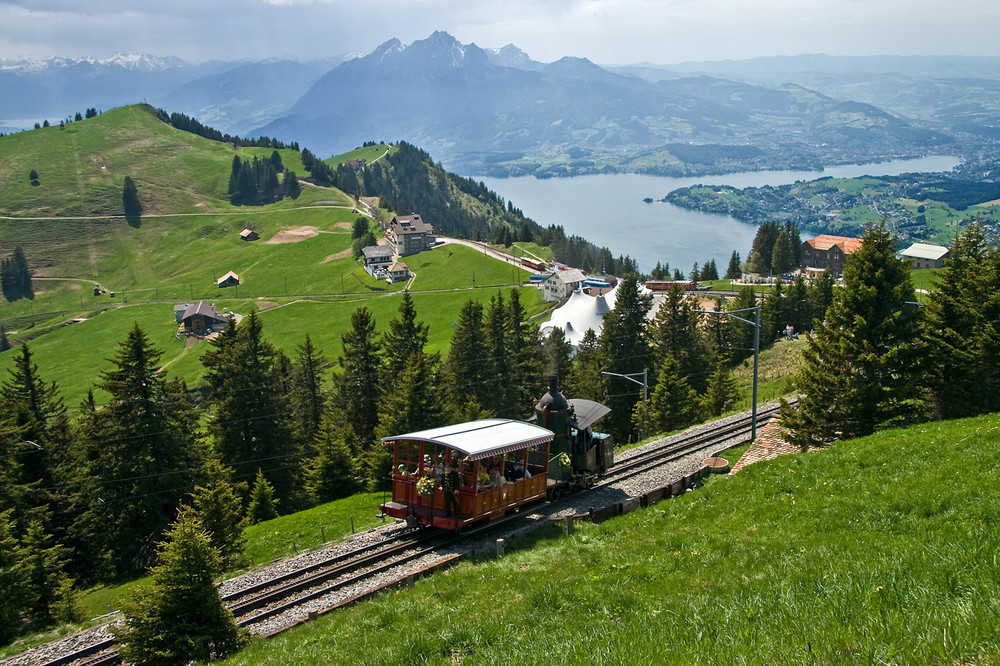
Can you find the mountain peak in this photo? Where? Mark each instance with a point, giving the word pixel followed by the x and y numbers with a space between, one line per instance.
pixel 511 56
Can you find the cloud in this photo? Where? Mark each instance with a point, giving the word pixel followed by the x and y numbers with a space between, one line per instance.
pixel 606 31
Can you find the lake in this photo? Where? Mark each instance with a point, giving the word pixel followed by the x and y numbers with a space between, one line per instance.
pixel 608 210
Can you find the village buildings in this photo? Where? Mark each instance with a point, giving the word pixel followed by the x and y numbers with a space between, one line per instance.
pixel 561 284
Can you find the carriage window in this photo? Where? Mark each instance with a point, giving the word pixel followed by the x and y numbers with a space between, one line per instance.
pixel 407 454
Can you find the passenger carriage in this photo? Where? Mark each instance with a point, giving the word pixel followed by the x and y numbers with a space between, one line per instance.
pixel 519 451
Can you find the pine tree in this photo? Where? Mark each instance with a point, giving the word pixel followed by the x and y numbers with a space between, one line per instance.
pixel 859 371
pixel 781 256
pixel 357 388
pixel 130 202
pixel 733 270
pixel 558 355
pixel 4 342
pixel 263 505
pixel 467 365
pixel 406 336
pixel 179 617
pixel 962 331
pixel 47 596
pixel 625 348
pixel 330 474
pixel 673 403
pixel 721 389
pixel 675 333
pixel 251 425
pixel 15 276
pixel 141 452
pixel 585 379
pixel 290 183
pixel 12 576
pixel 217 505
pixel 308 395
pixel 527 362
pixel 498 393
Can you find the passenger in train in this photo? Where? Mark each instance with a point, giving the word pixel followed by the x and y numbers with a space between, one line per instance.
pixel 449 484
pixel 496 478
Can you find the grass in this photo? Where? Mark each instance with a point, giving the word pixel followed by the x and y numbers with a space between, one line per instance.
pixel 878 550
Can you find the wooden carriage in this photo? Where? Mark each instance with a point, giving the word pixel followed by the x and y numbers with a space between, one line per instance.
pixel 518 450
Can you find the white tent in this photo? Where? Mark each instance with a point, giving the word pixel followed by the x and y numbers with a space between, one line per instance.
pixel 580 313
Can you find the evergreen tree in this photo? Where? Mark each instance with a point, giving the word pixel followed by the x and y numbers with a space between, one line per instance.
pixel 15 277
pixel 774 314
pixel 4 342
pixel 290 184
pixel 467 365
pixel 357 387
pixel 733 271
pixel 47 592
pixel 781 256
pixel 276 162
pixel 624 346
pixel 12 576
pixel 179 617
pixel 251 424
pixel 406 336
pixel 217 505
pixel 330 474
pixel 673 404
pixel 675 333
pixel 798 308
pixel 130 202
pixel 763 248
pixel 821 295
pixel 497 392
pixel 140 451
pixel 527 363
pixel 263 505
pixel 360 228
pixel 721 389
pixel 558 355
pixel 308 395
pixel 859 371
pixel 962 330
pixel 585 379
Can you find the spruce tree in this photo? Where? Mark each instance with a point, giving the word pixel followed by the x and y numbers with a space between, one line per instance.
pixel 330 474
pixel 308 395
pixel 141 453
pixel 356 387
pixel 962 330
pixel 467 365
pixel 130 202
pixel 527 361
pixel 12 576
pixel 675 333
pixel 859 371
pixel 625 348
pixel 585 379
pixel 406 336
pixel 673 404
pixel 179 617
pixel 217 505
pixel 4 342
pixel 251 425
pixel 733 271
pixel 721 389
pixel 263 505
pixel 558 355
pixel 47 593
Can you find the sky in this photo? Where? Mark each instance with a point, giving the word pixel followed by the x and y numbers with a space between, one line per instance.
pixel 605 31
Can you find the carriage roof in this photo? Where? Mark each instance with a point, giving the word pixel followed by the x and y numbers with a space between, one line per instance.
pixel 481 439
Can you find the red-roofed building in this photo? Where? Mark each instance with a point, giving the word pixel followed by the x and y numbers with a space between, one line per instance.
pixel 828 252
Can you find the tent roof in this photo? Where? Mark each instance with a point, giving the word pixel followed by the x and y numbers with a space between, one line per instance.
pixel 580 313
pixel 481 439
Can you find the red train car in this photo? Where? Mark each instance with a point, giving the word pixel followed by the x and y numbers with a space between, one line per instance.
pixel 530 263
pixel 664 285
pixel 499 464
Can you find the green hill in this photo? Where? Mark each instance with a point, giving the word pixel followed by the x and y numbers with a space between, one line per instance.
pixel 877 550
pixel 74 235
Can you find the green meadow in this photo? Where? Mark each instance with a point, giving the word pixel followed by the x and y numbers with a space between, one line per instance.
pixel 300 273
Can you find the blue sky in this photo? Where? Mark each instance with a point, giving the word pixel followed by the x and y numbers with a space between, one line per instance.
pixel 606 31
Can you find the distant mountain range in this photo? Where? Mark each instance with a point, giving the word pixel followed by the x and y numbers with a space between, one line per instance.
pixel 497 111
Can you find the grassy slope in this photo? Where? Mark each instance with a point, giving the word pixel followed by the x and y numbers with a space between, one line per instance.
pixel 187 238
pixel 879 550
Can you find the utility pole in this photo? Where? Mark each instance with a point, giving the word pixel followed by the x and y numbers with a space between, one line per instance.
pixel 756 352
pixel 645 392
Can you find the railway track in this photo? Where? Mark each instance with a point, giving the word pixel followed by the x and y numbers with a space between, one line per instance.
pixel 259 606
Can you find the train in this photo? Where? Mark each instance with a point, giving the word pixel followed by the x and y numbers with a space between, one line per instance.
pixel 457 475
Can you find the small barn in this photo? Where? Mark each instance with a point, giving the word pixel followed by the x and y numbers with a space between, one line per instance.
pixel 249 235
pixel 202 319
pixel 230 279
